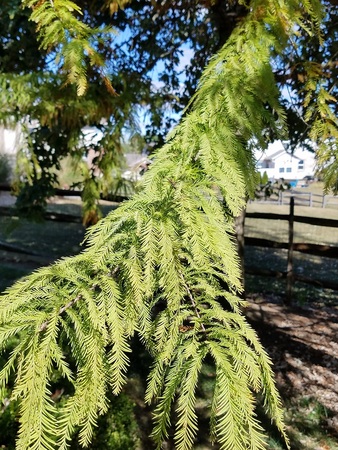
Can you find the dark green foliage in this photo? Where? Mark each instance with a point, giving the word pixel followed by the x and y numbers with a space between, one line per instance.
pixel 116 430
pixel 19 47
pixel 9 424
pixel 268 189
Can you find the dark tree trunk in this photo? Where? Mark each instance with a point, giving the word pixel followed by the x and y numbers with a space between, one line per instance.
pixel 226 16
pixel 239 226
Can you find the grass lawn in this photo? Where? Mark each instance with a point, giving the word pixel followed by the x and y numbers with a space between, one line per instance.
pixel 310 266
pixel 46 241
pixel 277 230
pixel 304 264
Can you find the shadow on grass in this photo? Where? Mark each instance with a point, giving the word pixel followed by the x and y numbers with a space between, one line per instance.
pixel 302 367
pixel 10 274
pixel 306 426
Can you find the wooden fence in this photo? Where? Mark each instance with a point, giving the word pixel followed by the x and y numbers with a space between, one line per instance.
pixel 301 199
pixel 313 249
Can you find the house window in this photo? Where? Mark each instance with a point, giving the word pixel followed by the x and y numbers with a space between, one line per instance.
pixel 301 165
pixel 288 169
pixel 281 170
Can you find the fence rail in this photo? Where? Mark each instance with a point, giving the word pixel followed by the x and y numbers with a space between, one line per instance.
pixel 301 199
pixel 71 193
pixel 314 249
pixel 319 221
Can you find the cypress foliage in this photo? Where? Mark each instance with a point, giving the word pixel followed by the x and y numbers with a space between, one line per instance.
pixel 57 25
pixel 162 266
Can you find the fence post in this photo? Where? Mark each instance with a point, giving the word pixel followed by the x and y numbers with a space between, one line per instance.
pixel 289 270
pixel 311 200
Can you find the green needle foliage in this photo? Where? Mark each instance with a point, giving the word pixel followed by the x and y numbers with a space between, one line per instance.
pixel 163 267
pixel 59 28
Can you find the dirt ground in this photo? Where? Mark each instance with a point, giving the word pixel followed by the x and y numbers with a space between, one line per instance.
pixel 303 345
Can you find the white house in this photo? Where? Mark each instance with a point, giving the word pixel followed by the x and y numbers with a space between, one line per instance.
pixel 278 163
pixel 10 141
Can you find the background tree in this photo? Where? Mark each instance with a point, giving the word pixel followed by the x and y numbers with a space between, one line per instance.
pixel 51 109
pixel 151 39
pixel 58 115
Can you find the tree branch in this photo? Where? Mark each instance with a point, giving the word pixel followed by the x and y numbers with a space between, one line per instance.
pixel 192 302
pixel 44 325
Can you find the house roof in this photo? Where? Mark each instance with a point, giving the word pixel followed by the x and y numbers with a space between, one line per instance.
pixel 275 154
pixel 136 159
pixel 281 152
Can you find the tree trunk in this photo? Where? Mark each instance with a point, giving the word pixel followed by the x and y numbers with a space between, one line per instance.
pixel 239 226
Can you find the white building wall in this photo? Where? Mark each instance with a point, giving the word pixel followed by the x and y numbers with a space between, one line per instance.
pixel 277 163
pixel 10 140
